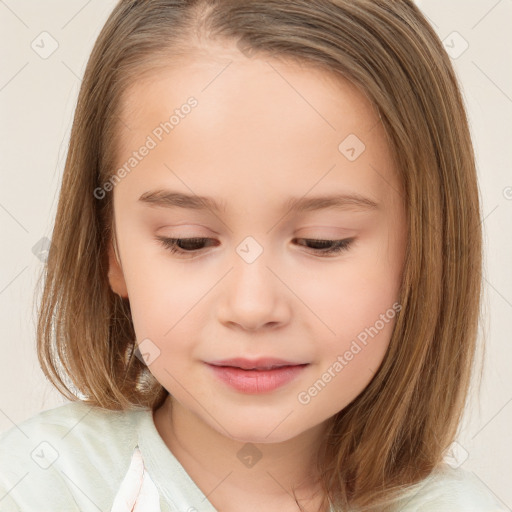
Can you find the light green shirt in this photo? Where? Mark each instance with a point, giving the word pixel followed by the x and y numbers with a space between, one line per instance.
pixel 75 457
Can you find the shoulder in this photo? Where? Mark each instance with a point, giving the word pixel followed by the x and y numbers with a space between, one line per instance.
pixel 449 489
pixel 74 423
pixel 71 456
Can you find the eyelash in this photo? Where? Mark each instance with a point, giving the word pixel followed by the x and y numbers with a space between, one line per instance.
pixel 171 244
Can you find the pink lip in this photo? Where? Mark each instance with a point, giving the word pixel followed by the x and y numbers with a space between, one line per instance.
pixel 261 363
pixel 256 376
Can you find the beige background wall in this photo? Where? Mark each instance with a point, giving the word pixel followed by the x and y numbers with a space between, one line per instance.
pixel 37 96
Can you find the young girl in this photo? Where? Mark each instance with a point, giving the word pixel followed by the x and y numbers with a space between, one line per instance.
pixel 264 281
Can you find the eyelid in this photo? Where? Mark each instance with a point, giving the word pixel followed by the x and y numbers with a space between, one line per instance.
pixel 338 246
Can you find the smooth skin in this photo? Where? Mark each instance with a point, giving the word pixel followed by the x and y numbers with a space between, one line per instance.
pixel 263 131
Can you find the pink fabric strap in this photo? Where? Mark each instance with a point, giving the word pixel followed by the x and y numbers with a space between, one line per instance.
pixel 137 493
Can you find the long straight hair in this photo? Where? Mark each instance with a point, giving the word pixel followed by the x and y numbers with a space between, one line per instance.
pixel 396 431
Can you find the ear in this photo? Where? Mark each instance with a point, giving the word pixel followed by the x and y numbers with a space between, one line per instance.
pixel 115 274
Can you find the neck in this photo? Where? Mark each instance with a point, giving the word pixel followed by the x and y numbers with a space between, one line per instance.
pixel 230 471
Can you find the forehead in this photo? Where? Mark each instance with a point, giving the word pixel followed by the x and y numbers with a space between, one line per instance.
pixel 225 81
pixel 260 123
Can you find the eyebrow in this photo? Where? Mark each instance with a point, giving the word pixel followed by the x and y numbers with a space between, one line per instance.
pixel 171 199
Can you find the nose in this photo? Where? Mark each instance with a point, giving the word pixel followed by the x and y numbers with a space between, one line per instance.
pixel 252 297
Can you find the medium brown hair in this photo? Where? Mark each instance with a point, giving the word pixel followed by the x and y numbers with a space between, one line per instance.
pixel 396 431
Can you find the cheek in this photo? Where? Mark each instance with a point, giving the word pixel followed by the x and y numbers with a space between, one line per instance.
pixel 357 300
pixel 160 294
pixel 167 317
pixel 350 295
pixel 163 302
pixel 362 323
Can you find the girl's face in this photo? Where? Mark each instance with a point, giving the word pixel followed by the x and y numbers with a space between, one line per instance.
pixel 284 156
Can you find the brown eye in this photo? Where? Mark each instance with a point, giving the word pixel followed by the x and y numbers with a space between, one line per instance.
pixel 183 245
pixel 191 245
pixel 327 246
